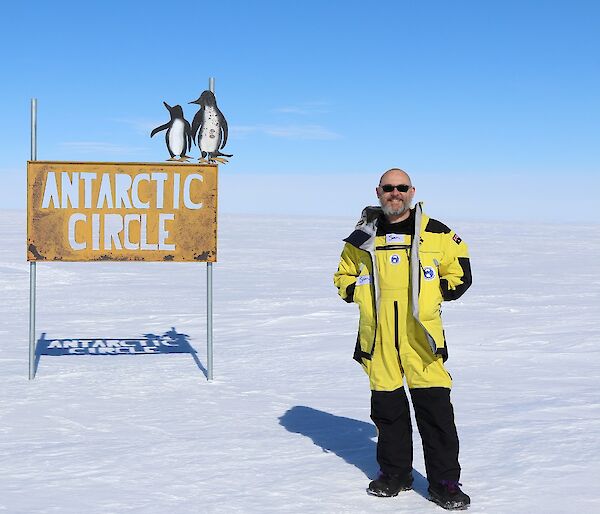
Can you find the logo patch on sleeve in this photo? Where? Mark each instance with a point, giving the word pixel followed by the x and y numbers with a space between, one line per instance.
pixel 363 279
pixel 457 239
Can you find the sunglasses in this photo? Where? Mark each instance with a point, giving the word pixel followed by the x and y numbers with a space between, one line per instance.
pixel 388 188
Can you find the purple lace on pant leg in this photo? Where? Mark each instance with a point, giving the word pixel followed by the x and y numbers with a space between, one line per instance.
pixel 451 485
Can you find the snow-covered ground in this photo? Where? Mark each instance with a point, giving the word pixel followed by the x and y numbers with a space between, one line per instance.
pixel 285 426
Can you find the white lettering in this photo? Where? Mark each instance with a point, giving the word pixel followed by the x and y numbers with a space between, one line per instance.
pixel 135 191
pixel 96 231
pixel 122 187
pixel 129 245
pixel 187 201
pixel 87 178
pixel 72 229
pixel 176 181
pixel 113 225
pixel 163 233
pixel 105 195
pixel 160 189
pixel 69 190
pixel 50 191
pixel 144 245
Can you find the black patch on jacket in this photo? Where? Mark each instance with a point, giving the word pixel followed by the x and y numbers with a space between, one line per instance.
pixel 359 355
pixel 467 279
pixel 350 293
pixel 443 352
pixel 357 238
pixel 436 227
pixel 456 239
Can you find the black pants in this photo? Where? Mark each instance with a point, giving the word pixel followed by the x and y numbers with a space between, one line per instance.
pixel 435 420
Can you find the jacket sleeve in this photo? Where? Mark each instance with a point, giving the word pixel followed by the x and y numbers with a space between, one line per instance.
pixel 347 272
pixel 455 268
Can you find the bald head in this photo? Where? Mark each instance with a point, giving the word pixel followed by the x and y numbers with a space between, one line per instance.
pixel 395 176
pixel 395 193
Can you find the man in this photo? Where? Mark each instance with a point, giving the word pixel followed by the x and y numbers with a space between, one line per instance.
pixel 398 266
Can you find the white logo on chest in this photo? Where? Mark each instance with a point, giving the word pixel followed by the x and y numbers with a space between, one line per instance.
pixel 428 273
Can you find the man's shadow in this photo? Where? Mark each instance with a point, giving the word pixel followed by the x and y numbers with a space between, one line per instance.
pixel 350 439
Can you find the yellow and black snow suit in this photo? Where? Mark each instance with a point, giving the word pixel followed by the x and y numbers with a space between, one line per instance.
pixel 399 281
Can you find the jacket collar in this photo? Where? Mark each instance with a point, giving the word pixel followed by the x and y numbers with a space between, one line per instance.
pixel 364 233
pixel 363 236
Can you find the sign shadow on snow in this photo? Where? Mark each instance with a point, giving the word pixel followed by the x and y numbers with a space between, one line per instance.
pixel 350 439
pixel 150 343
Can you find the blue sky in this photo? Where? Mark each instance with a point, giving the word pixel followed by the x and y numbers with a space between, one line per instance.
pixel 492 107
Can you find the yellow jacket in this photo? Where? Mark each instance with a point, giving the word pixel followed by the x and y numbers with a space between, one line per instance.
pixel 439 270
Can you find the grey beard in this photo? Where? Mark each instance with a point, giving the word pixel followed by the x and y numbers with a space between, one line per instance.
pixel 388 211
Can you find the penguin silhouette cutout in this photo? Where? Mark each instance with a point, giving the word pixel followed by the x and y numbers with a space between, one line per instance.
pixel 209 129
pixel 178 136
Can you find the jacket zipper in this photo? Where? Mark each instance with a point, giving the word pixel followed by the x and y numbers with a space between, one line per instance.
pixel 373 295
pixel 396 337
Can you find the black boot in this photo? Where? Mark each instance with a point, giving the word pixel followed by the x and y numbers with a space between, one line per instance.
pixel 388 485
pixel 448 495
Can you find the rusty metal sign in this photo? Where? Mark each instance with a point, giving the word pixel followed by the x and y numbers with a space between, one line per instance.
pixel 97 211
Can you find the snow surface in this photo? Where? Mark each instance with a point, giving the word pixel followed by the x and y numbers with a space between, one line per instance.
pixel 285 426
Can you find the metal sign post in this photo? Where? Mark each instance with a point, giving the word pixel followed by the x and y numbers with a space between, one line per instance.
pixel 32 263
pixel 209 296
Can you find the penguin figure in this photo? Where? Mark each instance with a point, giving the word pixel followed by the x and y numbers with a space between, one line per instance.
pixel 179 134
pixel 211 127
